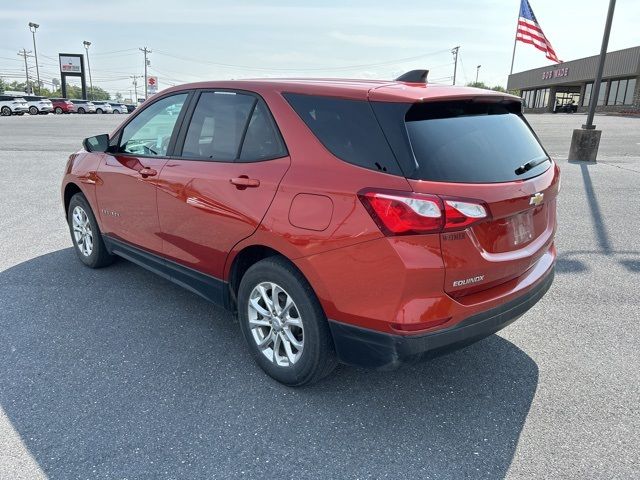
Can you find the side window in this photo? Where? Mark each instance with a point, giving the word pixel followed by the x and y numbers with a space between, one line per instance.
pixel 347 128
pixel 217 126
pixel 149 133
pixel 262 140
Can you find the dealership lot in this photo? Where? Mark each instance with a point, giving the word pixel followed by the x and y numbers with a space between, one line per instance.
pixel 119 374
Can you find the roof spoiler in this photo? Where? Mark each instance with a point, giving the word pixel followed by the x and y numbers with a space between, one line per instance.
pixel 414 76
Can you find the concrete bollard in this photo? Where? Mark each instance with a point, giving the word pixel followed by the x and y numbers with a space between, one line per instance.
pixel 584 144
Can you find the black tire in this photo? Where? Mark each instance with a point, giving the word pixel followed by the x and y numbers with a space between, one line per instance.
pixel 115 111
pixel 33 110
pixel 5 111
pixel 98 110
pixel 81 110
pixel 317 358
pixel 58 110
pixel 99 256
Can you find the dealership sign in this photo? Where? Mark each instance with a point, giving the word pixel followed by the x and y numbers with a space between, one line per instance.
pixel 70 64
pixel 152 85
pixel 558 72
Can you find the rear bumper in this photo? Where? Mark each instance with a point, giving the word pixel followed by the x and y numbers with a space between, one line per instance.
pixel 369 348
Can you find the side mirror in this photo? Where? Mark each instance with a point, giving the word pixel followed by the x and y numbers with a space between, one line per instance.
pixel 99 143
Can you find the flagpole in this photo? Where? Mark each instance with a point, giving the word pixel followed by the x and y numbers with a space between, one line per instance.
pixel 515 42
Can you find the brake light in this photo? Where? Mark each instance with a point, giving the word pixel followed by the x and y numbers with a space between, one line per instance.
pixel 408 213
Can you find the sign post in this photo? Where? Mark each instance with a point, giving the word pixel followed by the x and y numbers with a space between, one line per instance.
pixel 72 65
pixel 585 141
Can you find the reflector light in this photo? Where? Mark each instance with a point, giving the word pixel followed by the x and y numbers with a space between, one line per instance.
pixel 406 213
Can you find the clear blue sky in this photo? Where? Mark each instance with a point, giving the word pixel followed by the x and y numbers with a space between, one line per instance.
pixel 303 38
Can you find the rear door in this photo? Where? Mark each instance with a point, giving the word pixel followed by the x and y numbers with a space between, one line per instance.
pixel 229 161
pixel 126 190
pixel 484 154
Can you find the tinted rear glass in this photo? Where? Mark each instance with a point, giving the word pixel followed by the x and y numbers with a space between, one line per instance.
pixel 471 142
pixel 347 128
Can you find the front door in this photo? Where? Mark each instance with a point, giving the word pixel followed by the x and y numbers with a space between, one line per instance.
pixel 126 188
pixel 231 162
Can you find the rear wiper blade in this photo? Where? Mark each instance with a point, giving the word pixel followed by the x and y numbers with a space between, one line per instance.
pixel 531 164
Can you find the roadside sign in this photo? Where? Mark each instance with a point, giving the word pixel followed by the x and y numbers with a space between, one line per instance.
pixel 152 85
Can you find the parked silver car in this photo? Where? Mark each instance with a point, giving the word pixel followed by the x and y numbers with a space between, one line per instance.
pixel 10 105
pixel 102 107
pixel 38 104
pixel 119 107
pixel 84 106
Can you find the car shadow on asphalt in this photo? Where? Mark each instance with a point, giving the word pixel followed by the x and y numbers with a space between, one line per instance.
pixel 118 373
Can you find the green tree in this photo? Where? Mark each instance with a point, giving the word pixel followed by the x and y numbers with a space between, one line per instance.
pixel 97 93
pixel 118 97
pixel 497 88
pixel 74 91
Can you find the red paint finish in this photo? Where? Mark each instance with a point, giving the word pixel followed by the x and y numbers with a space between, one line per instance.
pixel 65 105
pixel 127 199
pixel 202 214
pixel 311 212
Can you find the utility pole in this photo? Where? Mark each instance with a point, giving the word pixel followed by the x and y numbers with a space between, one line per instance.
pixel 585 141
pixel 135 85
pixel 455 62
pixel 33 27
pixel 24 54
pixel 86 47
pixel 477 72
pixel 146 51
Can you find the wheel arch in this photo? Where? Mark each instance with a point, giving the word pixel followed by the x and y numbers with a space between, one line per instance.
pixel 241 260
pixel 70 190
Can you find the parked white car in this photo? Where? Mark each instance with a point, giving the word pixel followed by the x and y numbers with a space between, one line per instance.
pixel 38 104
pixel 84 106
pixel 102 107
pixel 119 108
pixel 10 105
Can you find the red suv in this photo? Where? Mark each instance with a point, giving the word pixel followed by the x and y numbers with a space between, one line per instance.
pixel 62 105
pixel 365 222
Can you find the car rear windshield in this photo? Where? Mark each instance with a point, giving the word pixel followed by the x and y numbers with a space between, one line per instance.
pixel 471 142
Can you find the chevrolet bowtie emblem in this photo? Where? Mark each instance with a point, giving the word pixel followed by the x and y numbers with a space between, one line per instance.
pixel 536 199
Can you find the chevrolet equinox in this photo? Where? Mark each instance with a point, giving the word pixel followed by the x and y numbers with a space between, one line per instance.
pixel 372 223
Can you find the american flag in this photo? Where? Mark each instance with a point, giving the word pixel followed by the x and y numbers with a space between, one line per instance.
pixel 529 31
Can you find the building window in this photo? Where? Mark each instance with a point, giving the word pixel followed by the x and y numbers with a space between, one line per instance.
pixel 631 88
pixel 587 94
pixel 528 96
pixel 542 98
pixel 613 90
pixel 621 92
pixel 602 93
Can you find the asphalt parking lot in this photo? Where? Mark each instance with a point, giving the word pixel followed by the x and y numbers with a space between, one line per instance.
pixel 117 373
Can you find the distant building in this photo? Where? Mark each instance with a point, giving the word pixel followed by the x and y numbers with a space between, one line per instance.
pixel 543 89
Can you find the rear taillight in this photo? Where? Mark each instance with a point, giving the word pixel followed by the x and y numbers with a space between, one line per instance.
pixel 406 213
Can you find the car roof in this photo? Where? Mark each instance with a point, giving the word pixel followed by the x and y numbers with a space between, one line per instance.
pixel 377 90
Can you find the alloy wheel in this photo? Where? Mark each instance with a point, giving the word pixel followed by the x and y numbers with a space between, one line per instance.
pixel 276 325
pixel 82 231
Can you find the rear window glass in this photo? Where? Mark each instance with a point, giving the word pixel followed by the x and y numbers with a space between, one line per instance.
pixel 471 142
pixel 347 128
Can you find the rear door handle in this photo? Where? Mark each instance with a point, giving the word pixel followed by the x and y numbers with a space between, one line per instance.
pixel 147 172
pixel 244 181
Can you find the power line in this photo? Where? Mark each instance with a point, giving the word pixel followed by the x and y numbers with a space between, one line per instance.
pixel 341 68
